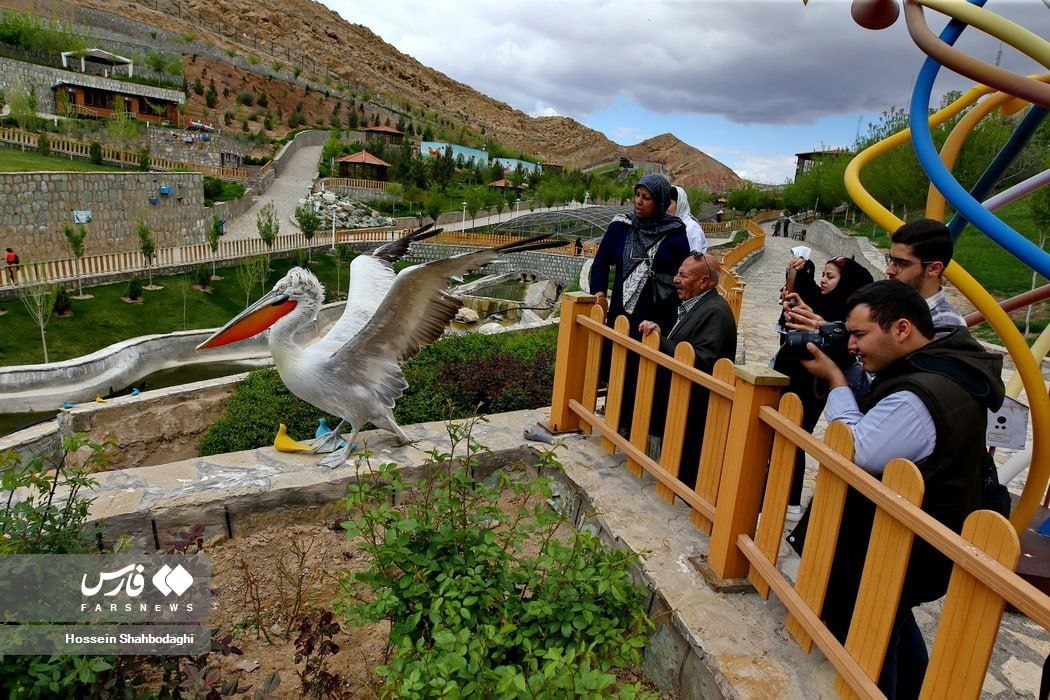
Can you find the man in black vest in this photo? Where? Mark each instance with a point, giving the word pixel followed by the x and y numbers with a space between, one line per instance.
pixel 928 403
pixel 706 322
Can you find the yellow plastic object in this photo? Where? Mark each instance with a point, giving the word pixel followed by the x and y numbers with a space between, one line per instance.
pixel 1027 367
pixel 1040 348
pixel 99 399
pixel 1029 43
pixel 284 443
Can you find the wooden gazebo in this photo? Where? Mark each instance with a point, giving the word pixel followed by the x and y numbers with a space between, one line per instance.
pixel 383 134
pixel 363 166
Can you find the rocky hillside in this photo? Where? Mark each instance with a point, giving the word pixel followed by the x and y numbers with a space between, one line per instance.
pixel 358 57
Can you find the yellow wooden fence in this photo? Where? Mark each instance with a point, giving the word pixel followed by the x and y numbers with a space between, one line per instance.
pixel 115 156
pixel 329 182
pixel 749 475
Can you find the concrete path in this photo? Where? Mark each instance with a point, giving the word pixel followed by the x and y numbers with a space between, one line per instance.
pixel 285 192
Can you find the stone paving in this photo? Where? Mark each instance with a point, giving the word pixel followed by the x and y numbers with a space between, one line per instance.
pixel 287 189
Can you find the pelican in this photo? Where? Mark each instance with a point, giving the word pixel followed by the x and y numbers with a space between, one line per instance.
pixel 354 371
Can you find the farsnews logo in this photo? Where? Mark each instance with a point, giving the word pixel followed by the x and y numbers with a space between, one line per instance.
pixel 130 579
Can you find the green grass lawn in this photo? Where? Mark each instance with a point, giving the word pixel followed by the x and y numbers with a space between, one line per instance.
pixel 106 319
pixel 15 161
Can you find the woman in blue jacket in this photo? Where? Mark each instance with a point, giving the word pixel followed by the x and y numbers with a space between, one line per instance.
pixel 645 251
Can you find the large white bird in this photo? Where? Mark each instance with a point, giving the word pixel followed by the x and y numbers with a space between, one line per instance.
pixel 354 370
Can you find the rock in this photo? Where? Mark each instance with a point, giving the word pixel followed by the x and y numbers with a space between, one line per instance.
pixel 329 198
pixel 490 328
pixel 530 316
pixel 467 315
pixel 541 294
pixel 247 665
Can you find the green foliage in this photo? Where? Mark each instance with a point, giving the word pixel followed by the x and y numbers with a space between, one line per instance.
pixel 134 289
pixel 75 236
pixel 749 198
pixel 167 63
pixel 121 125
pixel 219 190
pixel 147 243
pixel 95 153
pixel 254 60
pixel 43 144
pixel 22 105
pixel 308 221
pixel 246 98
pixel 448 379
pixel 267 225
pixel 29 31
pixel 202 276
pixel 63 303
pixel 213 234
pixel 211 97
pixel 144 158
pixel 471 613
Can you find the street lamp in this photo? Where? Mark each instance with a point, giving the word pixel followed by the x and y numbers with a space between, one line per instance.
pixel 419 215
pixel 463 224
pixel 516 205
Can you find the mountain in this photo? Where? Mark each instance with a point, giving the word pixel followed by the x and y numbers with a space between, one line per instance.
pixel 307 31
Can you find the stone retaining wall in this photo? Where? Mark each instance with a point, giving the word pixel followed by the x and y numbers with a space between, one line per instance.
pixel 168 143
pixel 829 239
pixel 33 207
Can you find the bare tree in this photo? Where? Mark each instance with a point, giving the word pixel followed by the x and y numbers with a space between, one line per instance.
pixel 39 300
pixel 248 274
pixel 212 236
pixel 182 285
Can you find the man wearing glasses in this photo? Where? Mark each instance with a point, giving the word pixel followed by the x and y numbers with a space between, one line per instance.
pixel 919 253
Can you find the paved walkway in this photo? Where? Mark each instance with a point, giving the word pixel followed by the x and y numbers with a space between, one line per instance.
pixel 285 192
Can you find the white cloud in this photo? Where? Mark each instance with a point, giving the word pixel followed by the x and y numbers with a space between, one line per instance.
pixel 542 109
pixel 769 170
pixel 771 62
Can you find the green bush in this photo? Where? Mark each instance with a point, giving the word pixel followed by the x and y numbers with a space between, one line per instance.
pixel 471 612
pixel 246 98
pixel 144 158
pixel 63 302
pixel 43 145
pixel 95 153
pixel 202 276
pixel 219 190
pixel 135 289
pixel 452 378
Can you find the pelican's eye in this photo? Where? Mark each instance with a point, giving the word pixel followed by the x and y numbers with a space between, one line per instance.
pixel 279 300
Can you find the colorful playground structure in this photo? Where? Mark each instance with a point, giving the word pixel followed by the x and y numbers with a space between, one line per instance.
pixel 1010 94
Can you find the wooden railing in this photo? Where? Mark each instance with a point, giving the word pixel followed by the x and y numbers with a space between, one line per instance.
pixel 177 256
pixel 329 182
pixel 749 476
pixel 69 147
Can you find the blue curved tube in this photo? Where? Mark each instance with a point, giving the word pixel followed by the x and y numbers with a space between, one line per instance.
pixel 1022 134
pixel 1016 244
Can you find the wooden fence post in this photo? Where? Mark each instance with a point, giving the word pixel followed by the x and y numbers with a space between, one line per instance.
pixel 570 362
pixel 744 469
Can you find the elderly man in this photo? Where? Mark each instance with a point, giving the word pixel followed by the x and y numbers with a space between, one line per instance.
pixel 706 322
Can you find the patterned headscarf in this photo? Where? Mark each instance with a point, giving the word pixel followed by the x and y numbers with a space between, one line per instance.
pixel 644 236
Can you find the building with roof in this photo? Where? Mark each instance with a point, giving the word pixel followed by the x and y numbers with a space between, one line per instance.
pixel 511 164
pixel 363 166
pixel 464 156
pixel 805 161
pixel 383 135
pixel 505 184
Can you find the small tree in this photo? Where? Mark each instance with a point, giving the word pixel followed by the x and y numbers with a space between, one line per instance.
pixel 39 300
pixel 342 255
pixel 121 125
pixel 148 247
pixel 22 106
pixel 75 237
pixel 182 285
pixel 433 204
pixel 309 222
pixel 268 226
pixel 144 158
pixel 95 153
pixel 475 199
pixel 248 274
pixel 212 235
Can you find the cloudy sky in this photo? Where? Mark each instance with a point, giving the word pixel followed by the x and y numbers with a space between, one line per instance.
pixel 750 83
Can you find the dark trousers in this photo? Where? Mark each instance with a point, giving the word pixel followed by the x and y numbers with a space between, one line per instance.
pixel 906 659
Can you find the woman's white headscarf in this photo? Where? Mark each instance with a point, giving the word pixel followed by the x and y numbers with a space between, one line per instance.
pixel 695 234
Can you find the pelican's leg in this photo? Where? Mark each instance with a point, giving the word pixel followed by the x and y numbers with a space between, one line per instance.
pixel 328 441
pixel 338 458
pixel 388 423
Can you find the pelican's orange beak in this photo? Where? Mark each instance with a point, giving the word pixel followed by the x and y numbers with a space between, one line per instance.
pixel 252 321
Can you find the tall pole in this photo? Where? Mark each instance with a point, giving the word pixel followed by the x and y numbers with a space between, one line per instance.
pixel 463 223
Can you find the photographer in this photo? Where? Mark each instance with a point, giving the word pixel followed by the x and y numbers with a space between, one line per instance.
pixel 929 404
pixel 839 278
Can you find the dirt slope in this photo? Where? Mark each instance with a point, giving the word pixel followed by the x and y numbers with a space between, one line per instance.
pixel 360 58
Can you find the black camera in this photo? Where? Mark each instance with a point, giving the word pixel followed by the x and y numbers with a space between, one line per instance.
pixel 831 338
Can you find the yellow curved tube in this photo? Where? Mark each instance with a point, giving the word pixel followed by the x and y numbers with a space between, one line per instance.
pixel 954 143
pixel 1029 43
pixel 1027 368
pixel 1040 348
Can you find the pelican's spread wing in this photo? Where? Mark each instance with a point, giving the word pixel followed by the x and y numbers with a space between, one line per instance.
pixel 371 277
pixel 415 312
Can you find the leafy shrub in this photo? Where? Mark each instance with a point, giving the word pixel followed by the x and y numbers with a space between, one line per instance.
pixel 43 145
pixel 254 60
pixel 95 153
pixel 202 276
pixel 262 101
pixel 63 302
pixel 135 289
pixel 471 613
pixel 227 117
pixel 301 257
pixel 246 98
pixel 211 96
pixel 296 119
pixel 198 86
pixel 219 190
pixel 144 158
pixel 516 371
